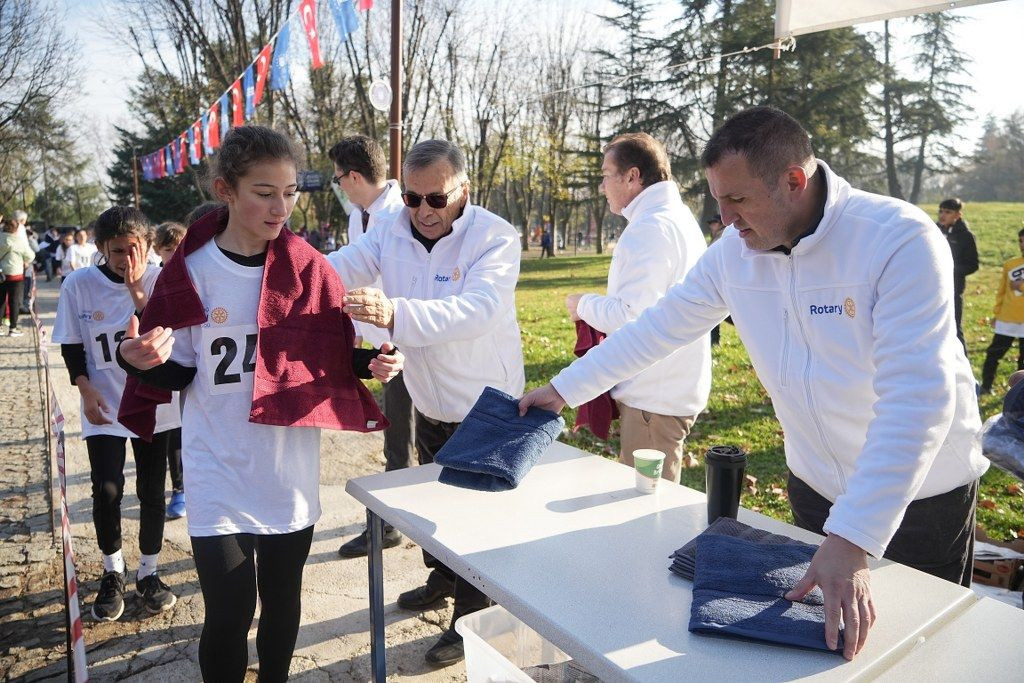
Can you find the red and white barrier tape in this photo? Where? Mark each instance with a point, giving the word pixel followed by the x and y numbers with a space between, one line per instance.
pixel 77 635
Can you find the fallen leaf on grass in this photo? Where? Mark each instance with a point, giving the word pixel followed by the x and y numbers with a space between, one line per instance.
pixel 751 482
pixel 1013 488
pixel 987 504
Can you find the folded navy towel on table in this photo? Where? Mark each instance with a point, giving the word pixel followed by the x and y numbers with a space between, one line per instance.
pixel 738 590
pixel 493 448
pixel 684 559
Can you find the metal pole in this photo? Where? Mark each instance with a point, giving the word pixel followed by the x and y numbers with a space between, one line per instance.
pixel 395 122
pixel 135 175
pixel 375 561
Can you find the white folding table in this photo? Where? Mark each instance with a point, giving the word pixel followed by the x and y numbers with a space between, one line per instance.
pixel 580 556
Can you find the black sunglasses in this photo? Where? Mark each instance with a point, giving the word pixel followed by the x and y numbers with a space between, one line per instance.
pixel 435 200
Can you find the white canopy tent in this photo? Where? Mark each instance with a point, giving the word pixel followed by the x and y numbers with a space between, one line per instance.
pixel 796 17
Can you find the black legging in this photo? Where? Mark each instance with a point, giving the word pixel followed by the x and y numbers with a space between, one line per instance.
pixel 106 469
pixel 229 580
pixel 174 460
pixel 10 292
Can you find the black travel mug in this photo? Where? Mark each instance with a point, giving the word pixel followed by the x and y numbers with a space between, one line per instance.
pixel 725 466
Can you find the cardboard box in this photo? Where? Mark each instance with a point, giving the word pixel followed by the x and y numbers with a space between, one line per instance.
pixel 1001 573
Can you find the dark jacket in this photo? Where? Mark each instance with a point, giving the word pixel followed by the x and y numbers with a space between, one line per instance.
pixel 965 253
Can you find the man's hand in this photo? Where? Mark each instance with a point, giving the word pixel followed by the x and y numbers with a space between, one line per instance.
pixel 387 365
pixel 572 303
pixel 545 397
pixel 369 305
pixel 841 570
pixel 93 405
pixel 149 350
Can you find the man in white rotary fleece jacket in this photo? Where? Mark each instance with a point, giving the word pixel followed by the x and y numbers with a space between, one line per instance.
pixel 844 301
pixel 448 273
pixel 657 248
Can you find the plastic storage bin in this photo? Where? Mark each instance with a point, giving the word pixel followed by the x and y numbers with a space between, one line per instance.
pixel 499 646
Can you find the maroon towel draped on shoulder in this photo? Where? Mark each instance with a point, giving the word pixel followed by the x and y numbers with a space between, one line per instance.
pixel 303 375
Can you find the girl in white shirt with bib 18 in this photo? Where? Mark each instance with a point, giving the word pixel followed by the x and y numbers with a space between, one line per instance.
pixel 96 302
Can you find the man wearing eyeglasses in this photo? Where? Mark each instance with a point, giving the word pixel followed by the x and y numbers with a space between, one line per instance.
pixel 361 173
pixel 448 271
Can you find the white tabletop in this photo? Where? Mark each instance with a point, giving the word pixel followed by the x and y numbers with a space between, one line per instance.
pixel 983 643
pixel 580 556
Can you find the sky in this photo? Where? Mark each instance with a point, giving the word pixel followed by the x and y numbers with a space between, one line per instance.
pixel 992 37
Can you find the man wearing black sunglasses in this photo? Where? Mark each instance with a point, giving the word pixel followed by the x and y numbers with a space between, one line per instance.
pixel 448 271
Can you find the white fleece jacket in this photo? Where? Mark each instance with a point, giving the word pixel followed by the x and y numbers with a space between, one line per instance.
pixel 657 248
pixel 455 313
pixel 853 337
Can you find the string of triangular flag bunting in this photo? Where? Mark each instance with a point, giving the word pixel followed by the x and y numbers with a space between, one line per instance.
pixel 238 103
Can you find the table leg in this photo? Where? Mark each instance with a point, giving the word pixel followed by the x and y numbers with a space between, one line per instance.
pixel 375 530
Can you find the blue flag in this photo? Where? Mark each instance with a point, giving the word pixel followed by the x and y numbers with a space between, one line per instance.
pixel 225 116
pixel 168 161
pixel 345 17
pixel 249 91
pixel 279 75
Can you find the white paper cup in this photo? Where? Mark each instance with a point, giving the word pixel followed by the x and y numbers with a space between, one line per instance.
pixel 647 463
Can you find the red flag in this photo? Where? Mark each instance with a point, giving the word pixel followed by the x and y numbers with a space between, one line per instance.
pixel 364 4
pixel 197 141
pixel 182 157
pixel 237 104
pixel 213 126
pixel 307 10
pixel 262 69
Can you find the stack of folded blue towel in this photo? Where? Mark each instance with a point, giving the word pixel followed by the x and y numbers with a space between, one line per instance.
pixel 740 577
pixel 494 447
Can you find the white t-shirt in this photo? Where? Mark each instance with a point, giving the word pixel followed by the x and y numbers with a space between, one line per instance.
pixel 77 257
pixel 241 477
pixel 94 311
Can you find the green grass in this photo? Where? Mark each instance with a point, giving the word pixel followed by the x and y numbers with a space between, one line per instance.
pixel 739 411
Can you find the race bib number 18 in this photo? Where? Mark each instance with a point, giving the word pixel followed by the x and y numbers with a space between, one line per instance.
pixel 104 346
pixel 230 358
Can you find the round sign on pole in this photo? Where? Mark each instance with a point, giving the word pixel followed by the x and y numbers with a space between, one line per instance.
pixel 380 95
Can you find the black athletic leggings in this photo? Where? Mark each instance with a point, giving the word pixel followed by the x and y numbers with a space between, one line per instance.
pixel 228 576
pixel 106 469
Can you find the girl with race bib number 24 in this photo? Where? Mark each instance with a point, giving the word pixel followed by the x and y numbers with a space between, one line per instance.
pixel 267 354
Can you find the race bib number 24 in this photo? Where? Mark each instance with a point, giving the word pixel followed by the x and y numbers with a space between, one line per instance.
pixel 230 358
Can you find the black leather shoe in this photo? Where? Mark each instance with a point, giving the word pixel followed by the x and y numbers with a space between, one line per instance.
pixel 418 599
pixel 360 545
pixel 447 650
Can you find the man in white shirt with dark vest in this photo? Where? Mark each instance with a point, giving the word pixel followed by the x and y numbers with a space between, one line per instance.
pixel 657 248
pixel 844 301
pixel 448 271
pixel 360 170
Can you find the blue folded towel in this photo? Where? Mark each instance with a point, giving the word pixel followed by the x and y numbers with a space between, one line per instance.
pixel 494 448
pixel 738 590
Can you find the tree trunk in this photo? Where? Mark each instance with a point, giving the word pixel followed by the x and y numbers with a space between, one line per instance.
pixel 890 153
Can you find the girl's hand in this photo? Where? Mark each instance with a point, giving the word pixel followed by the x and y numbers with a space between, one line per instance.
pixel 149 350
pixel 135 267
pixel 93 405
pixel 388 363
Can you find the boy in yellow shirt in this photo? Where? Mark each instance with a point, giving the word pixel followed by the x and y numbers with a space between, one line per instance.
pixel 1009 318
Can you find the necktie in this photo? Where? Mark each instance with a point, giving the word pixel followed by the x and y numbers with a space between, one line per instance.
pixel 366 220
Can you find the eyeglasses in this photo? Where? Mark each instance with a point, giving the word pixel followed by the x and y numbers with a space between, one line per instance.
pixel 336 180
pixel 435 200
